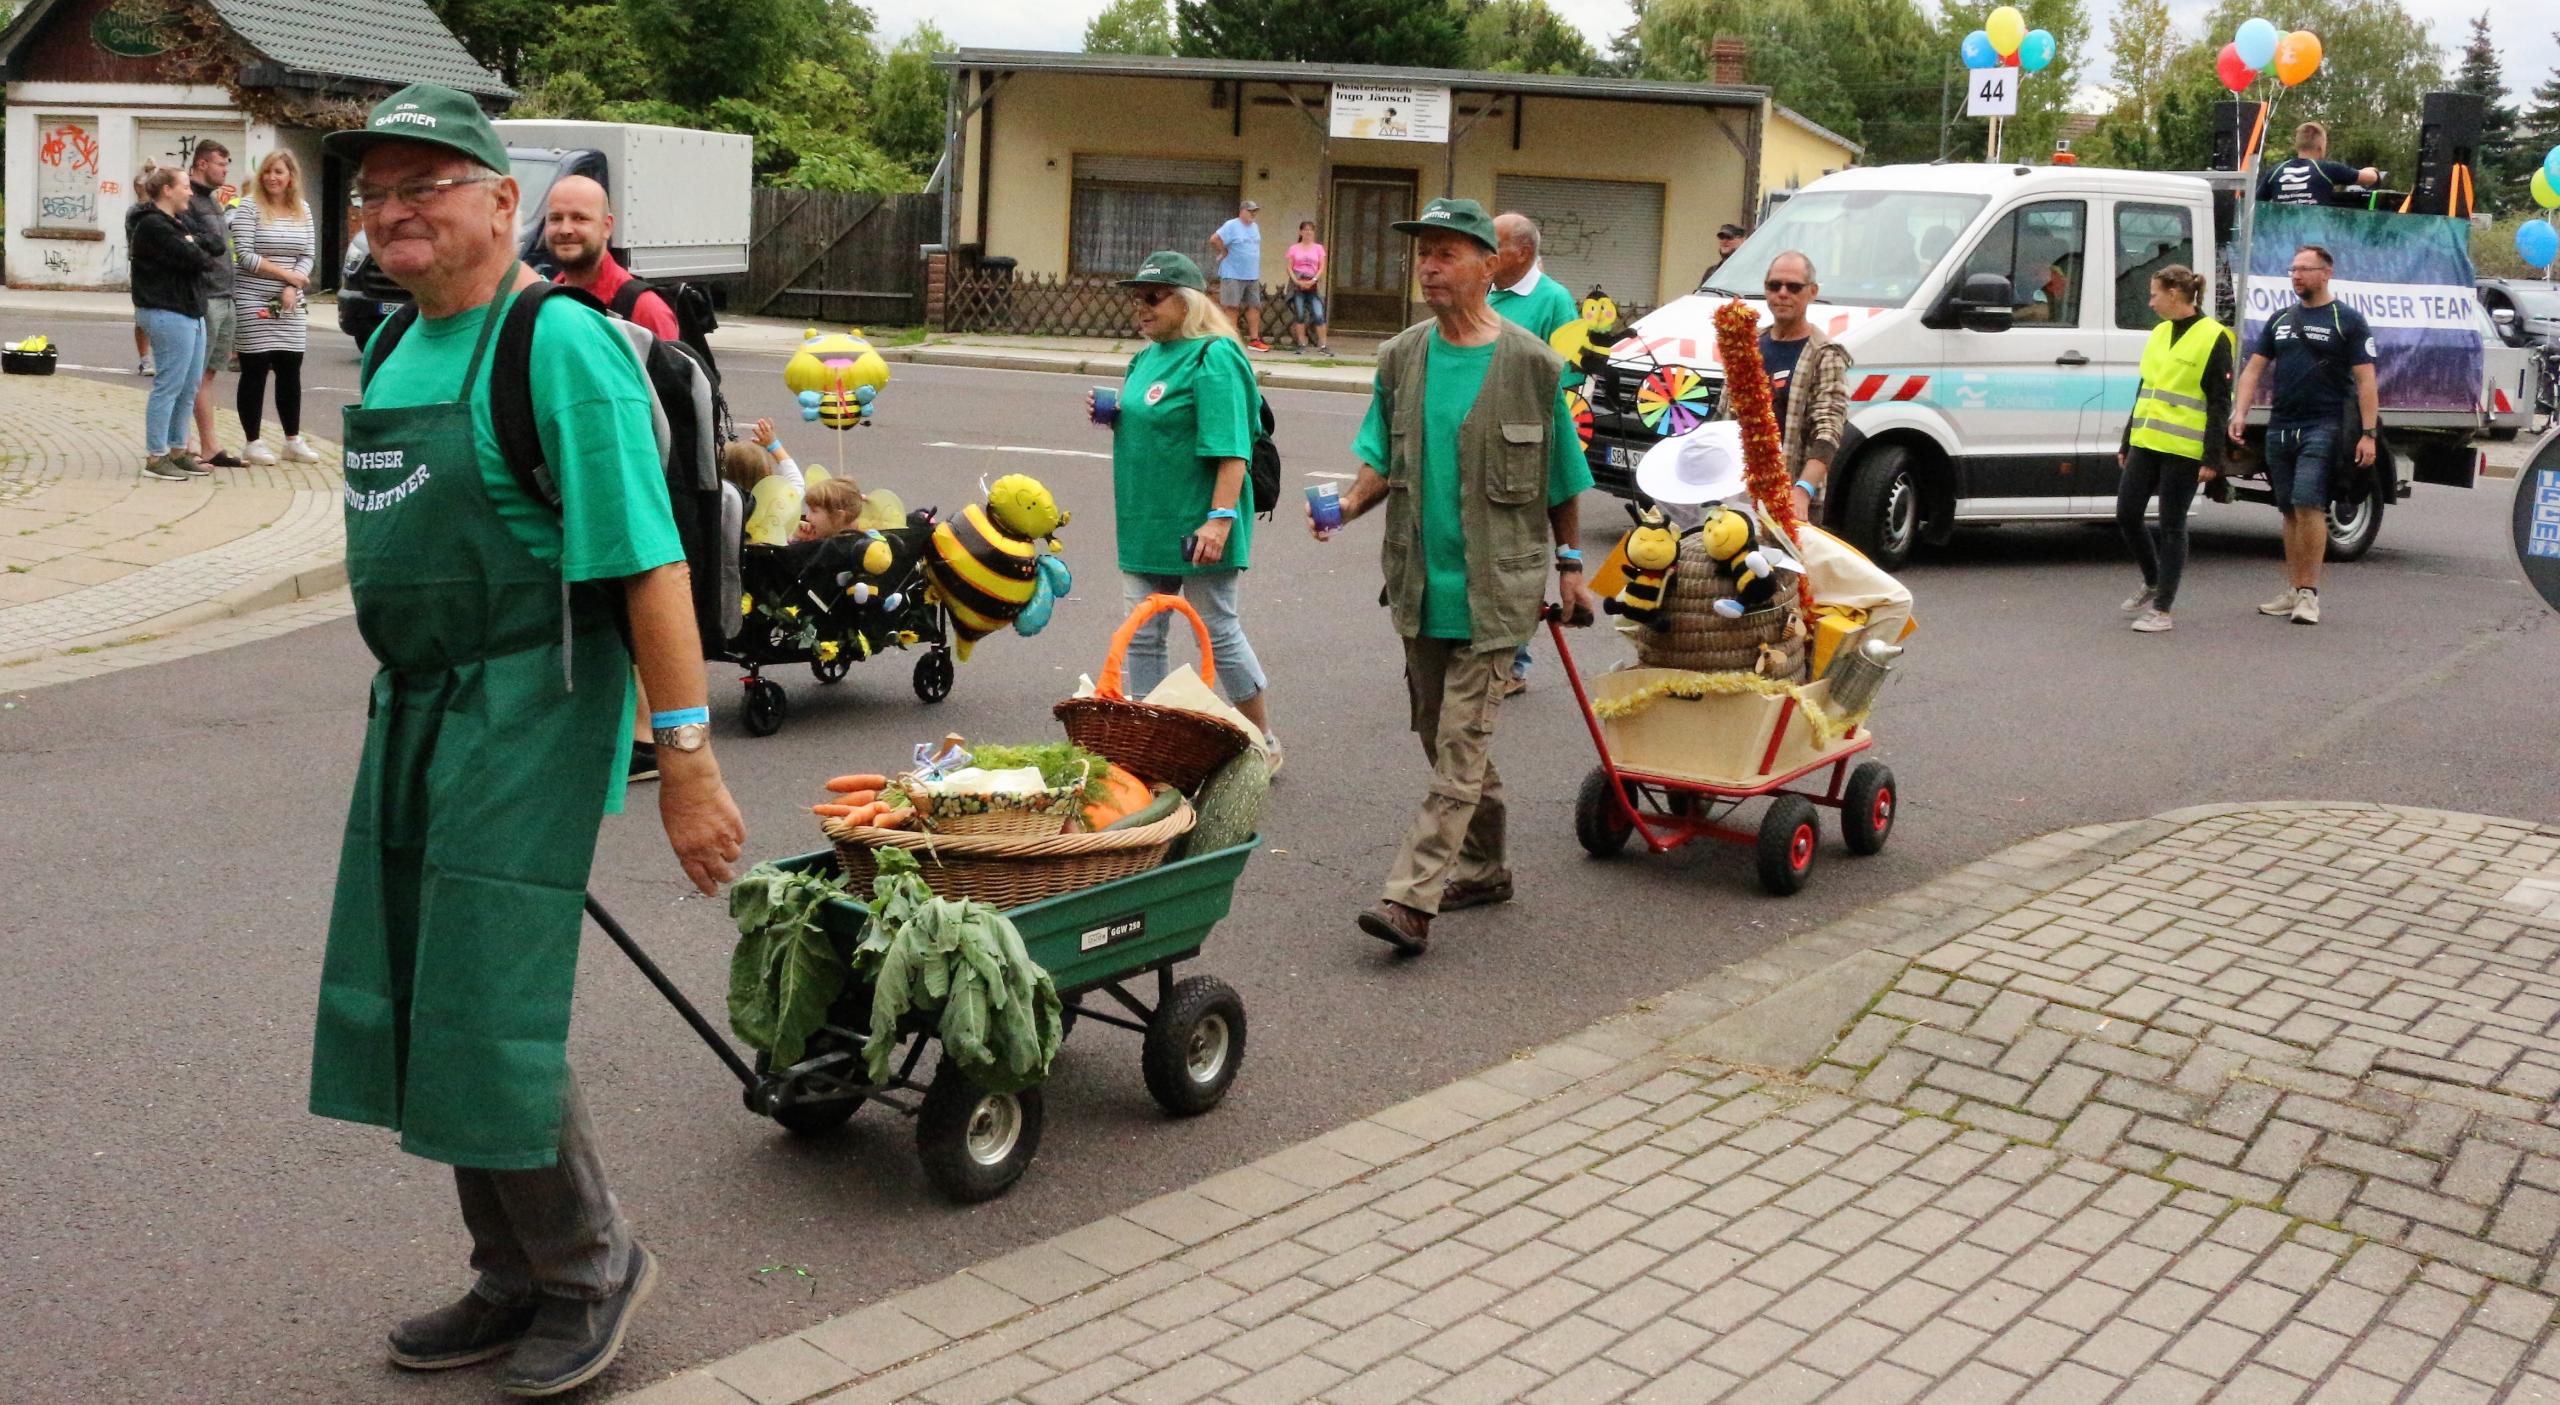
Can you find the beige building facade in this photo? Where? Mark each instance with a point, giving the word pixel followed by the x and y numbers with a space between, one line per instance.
pixel 1078 165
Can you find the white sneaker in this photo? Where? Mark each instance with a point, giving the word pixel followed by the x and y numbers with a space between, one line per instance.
pixel 2139 599
pixel 2152 622
pixel 295 451
pixel 259 454
pixel 2282 604
pixel 2306 607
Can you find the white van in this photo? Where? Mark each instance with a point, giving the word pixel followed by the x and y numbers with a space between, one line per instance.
pixel 1996 316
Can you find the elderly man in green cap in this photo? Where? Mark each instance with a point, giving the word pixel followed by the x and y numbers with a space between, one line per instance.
pixel 1470 446
pixel 495 743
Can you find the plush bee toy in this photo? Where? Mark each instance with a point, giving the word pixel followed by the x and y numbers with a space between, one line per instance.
pixel 1652 551
pixel 1735 548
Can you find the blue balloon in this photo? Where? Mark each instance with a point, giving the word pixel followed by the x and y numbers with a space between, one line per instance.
pixel 2256 42
pixel 1035 615
pixel 2538 242
pixel 808 412
pixel 809 399
pixel 1977 51
pixel 863 393
pixel 2551 166
pixel 2036 50
pixel 1055 575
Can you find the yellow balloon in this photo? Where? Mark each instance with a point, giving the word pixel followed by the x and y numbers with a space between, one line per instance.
pixel 2007 28
pixel 2543 194
pixel 2297 57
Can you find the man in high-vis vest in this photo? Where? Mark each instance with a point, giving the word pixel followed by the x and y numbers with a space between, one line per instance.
pixel 2169 443
pixel 1470 446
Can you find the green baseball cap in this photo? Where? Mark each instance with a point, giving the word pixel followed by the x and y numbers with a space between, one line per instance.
pixel 1465 216
pixel 429 113
pixel 1169 268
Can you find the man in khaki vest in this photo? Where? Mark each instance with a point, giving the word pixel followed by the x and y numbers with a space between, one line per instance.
pixel 1469 445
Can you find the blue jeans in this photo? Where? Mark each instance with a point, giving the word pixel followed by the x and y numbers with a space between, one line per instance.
pixel 2299 457
pixel 177 363
pixel 1219 597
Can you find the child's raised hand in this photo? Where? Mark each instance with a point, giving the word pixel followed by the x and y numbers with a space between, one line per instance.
pixel 764 432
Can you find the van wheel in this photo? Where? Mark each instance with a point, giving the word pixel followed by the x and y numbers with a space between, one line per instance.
pixel 2353 527
pixel 1883 506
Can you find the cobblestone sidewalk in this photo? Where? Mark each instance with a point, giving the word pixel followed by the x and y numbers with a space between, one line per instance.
pixel 93 553
pixel 2240 1104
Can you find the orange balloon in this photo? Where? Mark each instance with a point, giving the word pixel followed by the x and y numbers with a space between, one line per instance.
pixel 2297 57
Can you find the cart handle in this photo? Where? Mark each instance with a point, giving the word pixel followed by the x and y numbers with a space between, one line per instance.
pixel 667 988
pixel 1553 614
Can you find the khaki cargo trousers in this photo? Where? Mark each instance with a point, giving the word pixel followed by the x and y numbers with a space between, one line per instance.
pixel 1457 838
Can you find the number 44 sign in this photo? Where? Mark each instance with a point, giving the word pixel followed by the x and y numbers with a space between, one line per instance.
pixel 1991 92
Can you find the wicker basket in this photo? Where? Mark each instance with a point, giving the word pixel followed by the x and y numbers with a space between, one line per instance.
pixel 1008 871
pixel 1698 639
pixel 1156 744
pixel 1043 812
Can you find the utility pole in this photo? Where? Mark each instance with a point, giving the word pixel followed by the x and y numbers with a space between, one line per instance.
pixel 1945 90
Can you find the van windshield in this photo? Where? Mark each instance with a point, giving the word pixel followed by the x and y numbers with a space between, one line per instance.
pixel 534 175
pixel 1870 248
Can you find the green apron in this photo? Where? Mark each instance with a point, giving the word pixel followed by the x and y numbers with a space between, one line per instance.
pixel 453 939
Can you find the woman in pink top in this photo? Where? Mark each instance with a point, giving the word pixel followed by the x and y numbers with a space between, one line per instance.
pixel 1306 276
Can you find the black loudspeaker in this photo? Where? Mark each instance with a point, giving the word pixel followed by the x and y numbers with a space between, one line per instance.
pixel 2448 133
pixel 2232 122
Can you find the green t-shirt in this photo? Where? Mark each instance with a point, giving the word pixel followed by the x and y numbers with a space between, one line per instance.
pixel 1184 406
pixel 1541 310
pixel 1450 380
pixel 592 409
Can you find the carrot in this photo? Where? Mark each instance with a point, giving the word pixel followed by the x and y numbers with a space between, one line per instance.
pixel 857 797
pixel 832 811
pixel 892 819
pixel 865 814
pixel 846 785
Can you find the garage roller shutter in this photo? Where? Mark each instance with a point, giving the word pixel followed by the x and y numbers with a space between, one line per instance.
pixel 1603 232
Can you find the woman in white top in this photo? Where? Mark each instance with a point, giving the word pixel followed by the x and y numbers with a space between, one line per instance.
pixel 272 242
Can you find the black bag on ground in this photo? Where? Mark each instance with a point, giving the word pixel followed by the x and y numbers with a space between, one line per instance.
pixel 684 410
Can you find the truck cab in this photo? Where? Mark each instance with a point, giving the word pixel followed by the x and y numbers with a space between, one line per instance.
pixel 1995 316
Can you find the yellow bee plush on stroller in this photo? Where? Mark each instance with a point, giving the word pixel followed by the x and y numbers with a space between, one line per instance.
pixel 1652 551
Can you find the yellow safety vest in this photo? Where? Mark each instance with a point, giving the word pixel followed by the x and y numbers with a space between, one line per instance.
pixel 2169 415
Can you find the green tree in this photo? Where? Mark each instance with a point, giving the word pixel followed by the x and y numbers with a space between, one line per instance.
pixel 2143 47
pixel 706 50
pixel 1397 32
pixel 1870 70
pixel 2044 98
pixel 2493 160
pixel 1526 36
pixel 589 59
pixel 499 33
pixel 907 101
pixel 2377 66
pixel 1131 27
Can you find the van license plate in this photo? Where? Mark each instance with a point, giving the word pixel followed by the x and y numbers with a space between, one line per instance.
pixel 1623 456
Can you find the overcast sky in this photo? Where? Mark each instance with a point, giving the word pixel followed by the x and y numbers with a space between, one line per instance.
pixel 2530 50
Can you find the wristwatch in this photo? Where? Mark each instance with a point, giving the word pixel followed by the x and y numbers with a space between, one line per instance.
pixel 692 736
pixel 2369 431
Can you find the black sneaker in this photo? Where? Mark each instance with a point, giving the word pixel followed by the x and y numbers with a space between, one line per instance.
pixel 224 458
pixel 460 1334
pixel 644 762
pixel 573 1340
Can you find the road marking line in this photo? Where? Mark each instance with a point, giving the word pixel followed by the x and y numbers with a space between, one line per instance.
pixel 1017 449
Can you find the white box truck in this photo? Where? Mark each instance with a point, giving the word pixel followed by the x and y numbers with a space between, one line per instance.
pixel 683 204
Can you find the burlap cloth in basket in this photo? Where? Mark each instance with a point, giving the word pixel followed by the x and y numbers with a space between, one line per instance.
pixel 1698 638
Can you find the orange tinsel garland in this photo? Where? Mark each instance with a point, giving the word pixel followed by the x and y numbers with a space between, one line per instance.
pixel 1746 388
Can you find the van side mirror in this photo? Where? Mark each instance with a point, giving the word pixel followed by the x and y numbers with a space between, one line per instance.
pixel 1984 305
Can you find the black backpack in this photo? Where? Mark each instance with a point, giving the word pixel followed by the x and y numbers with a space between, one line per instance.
pixel 696 318
pixel 685 409
pixel 1262 469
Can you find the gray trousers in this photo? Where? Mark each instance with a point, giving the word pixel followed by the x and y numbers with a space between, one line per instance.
pixel 1458 835
pixel 555 1230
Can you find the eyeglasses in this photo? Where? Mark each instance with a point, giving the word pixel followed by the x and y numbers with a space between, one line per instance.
pixel 416 194
pixel 1782 285
pixel 1150 299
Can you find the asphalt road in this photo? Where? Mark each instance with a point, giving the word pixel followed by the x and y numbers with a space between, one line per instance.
pixel 176 1228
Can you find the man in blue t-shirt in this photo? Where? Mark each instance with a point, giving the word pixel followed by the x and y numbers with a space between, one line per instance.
pixel 2322 351
pixel 2310 178
pixel 1238 248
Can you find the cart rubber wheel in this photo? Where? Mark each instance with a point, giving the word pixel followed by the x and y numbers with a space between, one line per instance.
pixel 1195 1045
pixel 933 675
pixel 1597 821
pixel 1867 806
pixel 975 1144
pixel 767 705
pixel 1788 839
pixel 816 1119
pixel 830 670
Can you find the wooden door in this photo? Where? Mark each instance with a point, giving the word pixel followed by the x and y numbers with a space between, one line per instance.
pixel 1372 267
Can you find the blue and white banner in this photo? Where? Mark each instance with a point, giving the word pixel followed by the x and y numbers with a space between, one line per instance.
pixel 2410 275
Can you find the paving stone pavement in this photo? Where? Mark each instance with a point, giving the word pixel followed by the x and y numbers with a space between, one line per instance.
pixel 2236 1104
pixel 92 552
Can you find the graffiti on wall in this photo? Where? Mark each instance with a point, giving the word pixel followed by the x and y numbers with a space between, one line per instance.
pixel 67 172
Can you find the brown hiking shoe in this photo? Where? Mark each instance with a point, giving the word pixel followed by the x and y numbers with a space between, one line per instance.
pixel 1458 896
pixel 1399 926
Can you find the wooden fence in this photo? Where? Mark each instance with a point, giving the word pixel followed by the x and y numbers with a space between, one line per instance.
pixel 839 258
pixel 998 299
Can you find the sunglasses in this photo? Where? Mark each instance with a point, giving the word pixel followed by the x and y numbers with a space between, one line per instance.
pixel 1781 285
pixel 1150 298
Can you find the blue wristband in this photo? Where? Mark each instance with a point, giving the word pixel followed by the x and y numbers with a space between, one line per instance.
pixel 1222 513
pixel 680 717
pixel 1568 553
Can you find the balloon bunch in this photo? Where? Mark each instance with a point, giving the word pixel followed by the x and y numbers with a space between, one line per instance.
pixel 2258 46
pixel 2537 241
pixel 2004 41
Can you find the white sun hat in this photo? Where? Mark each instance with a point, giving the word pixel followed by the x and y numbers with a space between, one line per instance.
pixel 1701 466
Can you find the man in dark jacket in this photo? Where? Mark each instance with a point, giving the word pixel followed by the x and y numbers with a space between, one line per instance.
pixel 208 216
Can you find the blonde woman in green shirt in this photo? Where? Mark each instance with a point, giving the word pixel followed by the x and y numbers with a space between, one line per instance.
pixel 1181 434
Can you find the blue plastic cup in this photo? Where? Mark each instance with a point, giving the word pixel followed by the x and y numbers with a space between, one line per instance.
pixel 1324 501
pixel 1106 405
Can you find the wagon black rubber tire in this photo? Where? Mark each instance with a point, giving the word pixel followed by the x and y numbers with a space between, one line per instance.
pixel 816 1119
pixel 1882 510
pixel 933 675
pixel 830 670
pixel 1597 821
pixel 1789 839
pixel 1867 808
pixel 975 1144
pixel 1194 1047
pixel 767 706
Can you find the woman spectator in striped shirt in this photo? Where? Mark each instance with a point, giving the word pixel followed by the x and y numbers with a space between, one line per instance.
pixel 271 238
